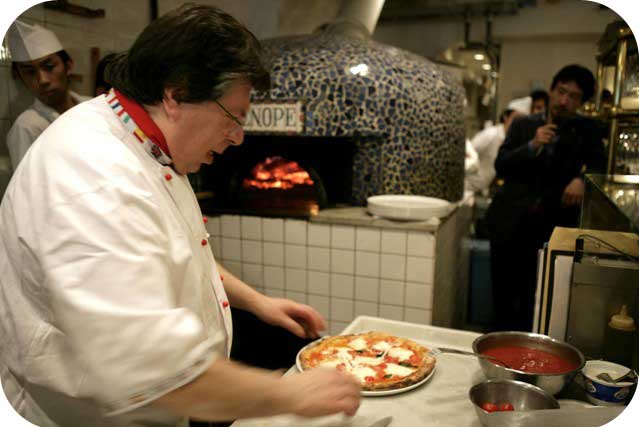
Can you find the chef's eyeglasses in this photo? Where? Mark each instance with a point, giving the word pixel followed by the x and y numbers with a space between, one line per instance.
pixel 229 114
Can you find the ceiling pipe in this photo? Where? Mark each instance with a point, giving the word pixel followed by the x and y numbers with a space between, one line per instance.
pixel 366 12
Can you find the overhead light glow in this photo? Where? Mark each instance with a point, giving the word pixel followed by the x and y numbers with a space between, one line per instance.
pixel 479 56
pixel 359 70
pixel 486 67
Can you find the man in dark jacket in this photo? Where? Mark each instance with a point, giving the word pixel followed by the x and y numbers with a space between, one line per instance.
pixel 542 162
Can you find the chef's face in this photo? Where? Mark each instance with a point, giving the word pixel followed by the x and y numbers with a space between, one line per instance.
pixel 47 78
pixel 205 130
pixel 565 99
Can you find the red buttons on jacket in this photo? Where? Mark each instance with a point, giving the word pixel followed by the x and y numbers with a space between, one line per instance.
pixel 204 242
pixel 168 176
pixel 205 219
pixel 221 277
pixel 225 304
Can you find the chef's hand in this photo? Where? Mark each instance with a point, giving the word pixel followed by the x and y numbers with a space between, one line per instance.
pixel 300 319
pixel 573 193
pixel 544 135
pixel 323 391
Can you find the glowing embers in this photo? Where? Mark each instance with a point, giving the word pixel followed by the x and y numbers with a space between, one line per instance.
pixel 277 172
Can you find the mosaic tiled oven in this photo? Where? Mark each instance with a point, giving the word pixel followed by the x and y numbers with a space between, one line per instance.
pixel 402 113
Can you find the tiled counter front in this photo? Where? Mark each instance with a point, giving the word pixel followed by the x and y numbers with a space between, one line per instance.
pixel 343 271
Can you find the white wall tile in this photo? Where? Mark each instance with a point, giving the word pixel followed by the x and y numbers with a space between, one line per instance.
pixel 295 279
pixel 393 267
pixel 295 256
pixel 273 229
pixel 342 309
pixel 234 267
pixel 366 289
pixel 253 274
pixel 213 226
pixel 251 227
pixel 343 236
pixel 391 292
pixel 336 328
pixel 419 296
pixel 20 98
pixel 416 315
pixel 368 239
pixel 296 296
pixel 252 251
pixel 231 249
pixel 367 264
pixel 230 226
pixel 273 253
pixel 393 242
pixel 342 261
pixel 319 283
pixel 420 270
pixel 319 235
pixel 342 285
pixel 295 231
pixel 276 293
pixel 321 304
pixel 421 244
pixel 319 259
pixel 391 312
pixel 216 247
pixel 273 277
pixel 363 308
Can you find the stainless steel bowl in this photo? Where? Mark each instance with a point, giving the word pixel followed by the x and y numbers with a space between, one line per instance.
pixel 552 383
pixel 523 397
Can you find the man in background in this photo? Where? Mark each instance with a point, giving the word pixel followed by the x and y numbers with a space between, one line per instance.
pixel 539 100
pixel 542 163
pixel 44 67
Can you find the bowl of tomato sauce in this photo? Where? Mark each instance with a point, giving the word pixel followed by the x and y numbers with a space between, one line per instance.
pixel 532 358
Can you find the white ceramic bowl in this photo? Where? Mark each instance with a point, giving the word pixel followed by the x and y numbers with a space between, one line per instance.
pixel 600 392
pixel 408 208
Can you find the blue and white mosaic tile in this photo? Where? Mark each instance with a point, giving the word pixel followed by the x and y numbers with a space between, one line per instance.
pixel 404 112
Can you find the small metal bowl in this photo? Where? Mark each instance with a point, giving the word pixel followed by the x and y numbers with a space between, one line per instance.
pixel 552 383
pixel 523 397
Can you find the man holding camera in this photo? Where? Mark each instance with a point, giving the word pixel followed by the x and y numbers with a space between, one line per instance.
pixel 542 162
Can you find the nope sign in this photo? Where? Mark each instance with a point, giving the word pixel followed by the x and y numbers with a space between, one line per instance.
pixel 275 117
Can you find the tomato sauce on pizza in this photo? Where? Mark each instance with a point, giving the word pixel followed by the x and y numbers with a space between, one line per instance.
pixel 378 360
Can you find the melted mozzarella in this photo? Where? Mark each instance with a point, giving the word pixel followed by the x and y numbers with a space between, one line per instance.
pixel 361 360
pixel 358 344
pixel 400 371
pixel 382 346
pixel 361 372
pixel 400 353
pixel 330 363
pixel 344 353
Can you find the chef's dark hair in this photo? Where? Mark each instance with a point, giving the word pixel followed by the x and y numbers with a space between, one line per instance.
pixel 196 50
pixel 578 74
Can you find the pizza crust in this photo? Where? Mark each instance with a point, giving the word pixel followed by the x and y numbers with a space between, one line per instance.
pixel 341 352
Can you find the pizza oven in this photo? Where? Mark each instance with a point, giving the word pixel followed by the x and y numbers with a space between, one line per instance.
pixel 346 118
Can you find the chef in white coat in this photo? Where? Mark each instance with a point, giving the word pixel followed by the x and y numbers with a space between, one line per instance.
pixel 42 64
pixel 112 309
pixel 487 142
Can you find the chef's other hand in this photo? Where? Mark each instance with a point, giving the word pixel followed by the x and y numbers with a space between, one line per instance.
pixel 573 193
pixel 300 319
pixel 544 135
pixel 323 391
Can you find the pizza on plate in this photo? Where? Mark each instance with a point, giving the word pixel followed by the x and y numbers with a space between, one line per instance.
pixel 380 361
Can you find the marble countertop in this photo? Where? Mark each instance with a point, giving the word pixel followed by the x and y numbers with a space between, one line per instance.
pixel 443 400
pixel 354 215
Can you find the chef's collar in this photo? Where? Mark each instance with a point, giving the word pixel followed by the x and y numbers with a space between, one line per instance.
pixel 144 121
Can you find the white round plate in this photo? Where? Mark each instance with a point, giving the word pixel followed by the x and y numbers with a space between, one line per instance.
pixel 298 364
pixel 408 208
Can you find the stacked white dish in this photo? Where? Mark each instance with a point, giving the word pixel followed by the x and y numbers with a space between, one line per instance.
pixel 408 208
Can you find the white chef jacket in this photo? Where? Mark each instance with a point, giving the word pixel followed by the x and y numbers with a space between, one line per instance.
pixel 486 143
pixel 29 125
pixel 109 293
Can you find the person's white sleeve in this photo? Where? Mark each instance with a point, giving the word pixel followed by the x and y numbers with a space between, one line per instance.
pixel 482 140
pixel 19 139
pixel 114 279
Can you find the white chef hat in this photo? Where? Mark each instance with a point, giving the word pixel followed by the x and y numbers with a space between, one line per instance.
pixel 30 42
pixel 521 105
